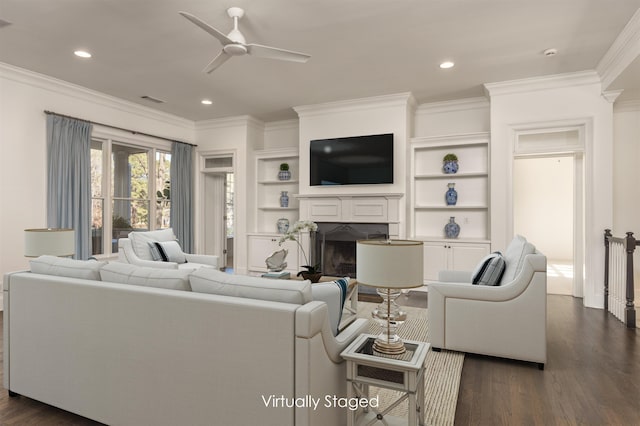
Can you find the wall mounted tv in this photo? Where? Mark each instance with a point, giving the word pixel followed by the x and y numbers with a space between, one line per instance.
pixel 357 160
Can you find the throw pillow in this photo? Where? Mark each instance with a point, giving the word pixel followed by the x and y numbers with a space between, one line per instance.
pixel 490 270
pixel 209 280
pixel 65 267
pixel 334 294
pixel 125 273
pixel 170 251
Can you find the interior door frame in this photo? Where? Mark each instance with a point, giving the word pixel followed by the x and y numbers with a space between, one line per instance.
pixel 578 152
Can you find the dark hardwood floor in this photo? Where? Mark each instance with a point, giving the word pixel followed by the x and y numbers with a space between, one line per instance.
pixel 592 377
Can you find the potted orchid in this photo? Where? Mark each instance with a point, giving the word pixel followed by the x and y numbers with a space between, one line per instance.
pixel 312 272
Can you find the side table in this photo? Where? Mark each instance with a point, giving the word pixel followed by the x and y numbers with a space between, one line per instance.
pixel 403 373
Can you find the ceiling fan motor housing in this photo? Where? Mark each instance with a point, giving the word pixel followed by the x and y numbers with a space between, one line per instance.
pixel 234 49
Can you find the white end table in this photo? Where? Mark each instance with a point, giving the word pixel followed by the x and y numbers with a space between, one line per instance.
pixel 403 373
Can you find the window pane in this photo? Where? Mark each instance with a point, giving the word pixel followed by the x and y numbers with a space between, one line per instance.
pixel 96 169
pixel 229 204
pixel 163 189
pixel 130 172
pixel 97 227
pixel 128 215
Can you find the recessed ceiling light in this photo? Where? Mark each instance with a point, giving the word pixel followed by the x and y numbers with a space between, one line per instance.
pixel 206 102
pixel 447 64
pixel 82 54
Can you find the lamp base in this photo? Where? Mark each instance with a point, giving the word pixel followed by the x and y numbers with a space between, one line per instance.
pixel 389 316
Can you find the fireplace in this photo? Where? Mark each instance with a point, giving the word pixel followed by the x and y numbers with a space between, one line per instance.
pixel 335 246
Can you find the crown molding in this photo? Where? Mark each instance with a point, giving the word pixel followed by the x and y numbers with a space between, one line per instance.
pixel 627 106
pixel 374 102
pixel 611 95
pixel 61 87
pixel 555 81
pixel 453 106
pixel 237 121
pixel 624 50
pixel 292 124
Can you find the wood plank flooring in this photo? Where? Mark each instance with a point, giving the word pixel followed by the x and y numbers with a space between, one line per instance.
pixel 592 377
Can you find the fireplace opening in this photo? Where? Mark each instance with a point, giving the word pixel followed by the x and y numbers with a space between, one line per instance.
pixel 335 246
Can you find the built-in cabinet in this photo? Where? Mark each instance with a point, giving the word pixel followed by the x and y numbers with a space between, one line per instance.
pixel 429 212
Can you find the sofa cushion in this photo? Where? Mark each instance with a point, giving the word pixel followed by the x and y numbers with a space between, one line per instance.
pixel 334 294
pixel 209 280
pixel 65 267
pixel 167 251
pixel 125 273
pixel 140 241
pixel 490 270
pixel 514 257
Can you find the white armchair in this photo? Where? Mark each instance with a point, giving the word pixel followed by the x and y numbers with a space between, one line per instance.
pixel 137 251
pixel 506 321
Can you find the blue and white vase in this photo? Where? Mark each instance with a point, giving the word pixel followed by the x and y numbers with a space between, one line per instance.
pixel 284 175
pixel 450 167
pixel 283 225
pixel 452 229
pixel 451 196
pixel 284 199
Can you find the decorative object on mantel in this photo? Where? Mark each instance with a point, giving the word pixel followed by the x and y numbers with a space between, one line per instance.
pixel 284 199
pixel 452 229
pixel 389 265
pixel 313 272
pixel 283 225
pixel 284 173
pixel 51 241
pixel 450 163
pixel 276 261
pixel 451 196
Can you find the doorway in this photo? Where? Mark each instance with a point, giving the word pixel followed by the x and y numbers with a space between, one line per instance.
pixel 219 223
pixel 544 211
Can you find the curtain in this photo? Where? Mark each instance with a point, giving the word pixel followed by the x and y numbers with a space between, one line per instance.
pixel 181 194
pixel 69 179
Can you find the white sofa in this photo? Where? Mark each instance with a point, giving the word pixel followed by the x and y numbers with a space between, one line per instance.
pixel 125 354
pixel 506 321
pixel 136 251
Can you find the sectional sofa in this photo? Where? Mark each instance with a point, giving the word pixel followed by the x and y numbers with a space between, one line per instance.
pixel 146 350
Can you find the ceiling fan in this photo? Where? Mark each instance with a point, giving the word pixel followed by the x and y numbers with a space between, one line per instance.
pixel 234 43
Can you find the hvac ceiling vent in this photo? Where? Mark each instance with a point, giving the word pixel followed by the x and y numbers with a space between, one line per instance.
pixel 152 99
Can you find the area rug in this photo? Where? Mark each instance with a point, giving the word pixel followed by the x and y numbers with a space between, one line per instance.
pixel 443 370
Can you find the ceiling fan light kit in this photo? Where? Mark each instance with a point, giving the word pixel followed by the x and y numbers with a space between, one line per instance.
pixel 234 43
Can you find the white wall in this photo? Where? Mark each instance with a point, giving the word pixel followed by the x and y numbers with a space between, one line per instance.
pixel 281 134
pixel 574 98
pixel 451 117
pixel 23 98
pixel 543 204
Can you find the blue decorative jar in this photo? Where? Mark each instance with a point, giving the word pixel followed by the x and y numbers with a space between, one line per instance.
pixel 283 225
pixel 284 199
pixel 450 167
pixel 451 196
pixel 284 175
pixel 452 229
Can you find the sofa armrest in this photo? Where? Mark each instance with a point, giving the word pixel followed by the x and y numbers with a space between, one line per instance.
pixel 127 255
pixel 203 259
pixel 313 318
pixel 455 276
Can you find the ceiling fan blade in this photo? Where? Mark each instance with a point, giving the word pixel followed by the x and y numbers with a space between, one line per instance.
pixel 208 28
pixel 217 61
pixel 275 53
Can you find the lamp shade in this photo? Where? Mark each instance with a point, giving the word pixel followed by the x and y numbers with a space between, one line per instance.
pixel 52 241
pixel 389 263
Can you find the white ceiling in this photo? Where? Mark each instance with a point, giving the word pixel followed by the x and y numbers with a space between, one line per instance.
pixel 359 48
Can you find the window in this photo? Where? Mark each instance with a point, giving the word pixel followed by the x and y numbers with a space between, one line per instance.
pixel 130 184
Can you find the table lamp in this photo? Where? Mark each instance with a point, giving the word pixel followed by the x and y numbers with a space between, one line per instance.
pixel 52 241
pixel 389 265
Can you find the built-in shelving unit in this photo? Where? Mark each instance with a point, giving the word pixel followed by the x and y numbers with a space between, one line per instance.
pixel 429 212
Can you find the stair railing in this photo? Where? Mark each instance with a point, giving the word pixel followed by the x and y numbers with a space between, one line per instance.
pixel 618 277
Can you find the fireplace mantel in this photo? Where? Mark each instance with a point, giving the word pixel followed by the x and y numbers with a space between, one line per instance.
pixel 352 208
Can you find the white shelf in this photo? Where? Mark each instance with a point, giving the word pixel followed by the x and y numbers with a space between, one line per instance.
pixel 266 208
pixel 453 208
pixel 451 176
pixel 278 182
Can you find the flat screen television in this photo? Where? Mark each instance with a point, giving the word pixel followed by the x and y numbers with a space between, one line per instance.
pixel 357 160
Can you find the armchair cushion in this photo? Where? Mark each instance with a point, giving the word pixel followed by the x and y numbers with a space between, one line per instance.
pixel 140 241
pixel 490 270
pixel 514 256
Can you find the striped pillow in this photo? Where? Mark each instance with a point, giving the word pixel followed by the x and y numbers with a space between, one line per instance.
pixel 490 270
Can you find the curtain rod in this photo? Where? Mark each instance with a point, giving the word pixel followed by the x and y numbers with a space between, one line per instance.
pixel 135 132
